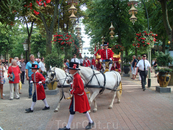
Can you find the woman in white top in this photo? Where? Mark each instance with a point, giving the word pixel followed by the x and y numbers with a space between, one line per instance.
pixel 1 78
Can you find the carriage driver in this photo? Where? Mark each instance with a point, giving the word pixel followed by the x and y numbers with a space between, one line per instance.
pixel 106 55
pixel 79 101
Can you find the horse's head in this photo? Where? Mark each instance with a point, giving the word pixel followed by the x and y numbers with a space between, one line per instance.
pixel 51 75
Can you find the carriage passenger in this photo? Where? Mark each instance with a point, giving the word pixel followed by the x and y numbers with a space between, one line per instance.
pixel 106 56
pixel 79 101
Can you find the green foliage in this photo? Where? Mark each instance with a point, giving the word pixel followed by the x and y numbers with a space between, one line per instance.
pixel 53 60
pixel 163 70
pixel 163 59
pixel 127 59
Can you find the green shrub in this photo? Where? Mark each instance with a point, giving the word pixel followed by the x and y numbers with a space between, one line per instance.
pixel 53 60
pixel 163 59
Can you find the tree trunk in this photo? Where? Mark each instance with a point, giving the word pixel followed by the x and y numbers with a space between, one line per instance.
pixel 48 43
pixel 166 21
pixel 163 45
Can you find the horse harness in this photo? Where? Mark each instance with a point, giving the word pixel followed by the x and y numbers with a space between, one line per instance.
pixel 99 86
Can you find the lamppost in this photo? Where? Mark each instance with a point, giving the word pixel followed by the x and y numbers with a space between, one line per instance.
pixel 133 18
pixel 111 32
pixel 38 54
pixel 25 46
pixel 21 56
pixel 72 10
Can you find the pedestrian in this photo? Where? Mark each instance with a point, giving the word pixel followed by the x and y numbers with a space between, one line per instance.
pixel 29 72
pixel 134 63
pixel 18 62
pixel 39 93
pixel 2 70
pixel 14 70
pixel 139 58
pixel 143 66
pixel 79 101
pixel 155 66
pixel 74 59
pixel 22 70
pixel 93 63
pixel 42 69
pixel 67 62
pixel 86 62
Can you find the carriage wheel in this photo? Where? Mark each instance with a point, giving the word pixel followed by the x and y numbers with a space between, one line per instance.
pixel 120 88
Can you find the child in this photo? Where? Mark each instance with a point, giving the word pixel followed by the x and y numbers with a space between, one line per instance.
pixel 79 100
pixel 39 94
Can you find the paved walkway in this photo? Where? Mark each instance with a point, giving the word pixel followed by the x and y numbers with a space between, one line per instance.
pixel 138 110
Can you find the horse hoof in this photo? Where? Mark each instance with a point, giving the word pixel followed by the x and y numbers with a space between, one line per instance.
pixel 94 110
pixel 109 107
pixel 55 110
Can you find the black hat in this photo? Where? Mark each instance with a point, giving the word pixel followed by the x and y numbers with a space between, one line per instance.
pixel 34 66
pixel 74 66
pixel 105 44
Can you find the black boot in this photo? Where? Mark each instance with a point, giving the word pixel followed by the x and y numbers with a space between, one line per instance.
pixel 89 126
pixel 28 110
pixel 64 128
pixel 46 108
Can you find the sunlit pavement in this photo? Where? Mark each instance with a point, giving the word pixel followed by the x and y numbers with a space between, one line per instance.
pixel 138 110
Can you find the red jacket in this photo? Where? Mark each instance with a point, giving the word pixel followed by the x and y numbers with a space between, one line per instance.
pixel 109 54
pixel 98 52
pixel 86 63
pixel 39 89
pixel 93 62
pixel 80 100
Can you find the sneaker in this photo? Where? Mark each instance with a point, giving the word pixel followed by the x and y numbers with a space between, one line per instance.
pixel 28 110
pixel 64 128
pixel 18 98
pixel 29 96
pixel 46 108
pixel 89 126
pixel 3 94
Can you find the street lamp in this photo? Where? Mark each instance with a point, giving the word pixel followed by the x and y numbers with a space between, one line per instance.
pixel 38 54
pixel 25 46
pixel 103 39
pixel 133 11
pixel 72 10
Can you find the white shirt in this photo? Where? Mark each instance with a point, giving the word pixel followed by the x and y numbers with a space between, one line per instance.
pixel 42 67
pixel 75 60
pixel 141 65
pixel 18 63
pixel 81 61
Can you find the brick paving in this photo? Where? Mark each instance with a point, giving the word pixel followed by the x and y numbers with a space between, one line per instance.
pixel 138 110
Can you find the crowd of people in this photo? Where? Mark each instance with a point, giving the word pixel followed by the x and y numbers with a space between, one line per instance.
pixel 16 73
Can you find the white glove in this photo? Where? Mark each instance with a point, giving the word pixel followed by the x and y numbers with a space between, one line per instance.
pixel 31 82
pixel 100 60
pixel 40 82
pixel 110 58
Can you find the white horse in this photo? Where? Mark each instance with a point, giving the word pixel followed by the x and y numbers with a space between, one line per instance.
pixel 95 81
pixel 59 75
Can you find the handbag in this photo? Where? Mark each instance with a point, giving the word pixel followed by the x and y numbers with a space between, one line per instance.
pixel 11 78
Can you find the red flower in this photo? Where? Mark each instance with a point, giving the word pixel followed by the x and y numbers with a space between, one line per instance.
pixel 36 13
pixel 48 1
pixel 30 5
pixel 143 45
pixel 144 31
pixel 156 35
pixel 44 4
pixel 148 43
pixel 143 42
pixel 60 39
pixel 138 46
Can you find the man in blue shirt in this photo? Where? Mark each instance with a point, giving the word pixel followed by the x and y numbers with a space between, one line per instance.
pixel 29 72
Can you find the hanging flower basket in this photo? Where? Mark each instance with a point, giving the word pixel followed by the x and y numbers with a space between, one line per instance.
pixel 144 40
pixel 117 48
pixel 62 39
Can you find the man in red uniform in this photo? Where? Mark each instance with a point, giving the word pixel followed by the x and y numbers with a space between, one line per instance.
pixel 79 101
pixel 93 63
pixel 106 55
pixel 39 94
pixel 86 62
pixel 99 50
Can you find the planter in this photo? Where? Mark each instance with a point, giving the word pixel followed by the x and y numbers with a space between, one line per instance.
pixel 163 79
pixel 52 86
pixel 126 69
